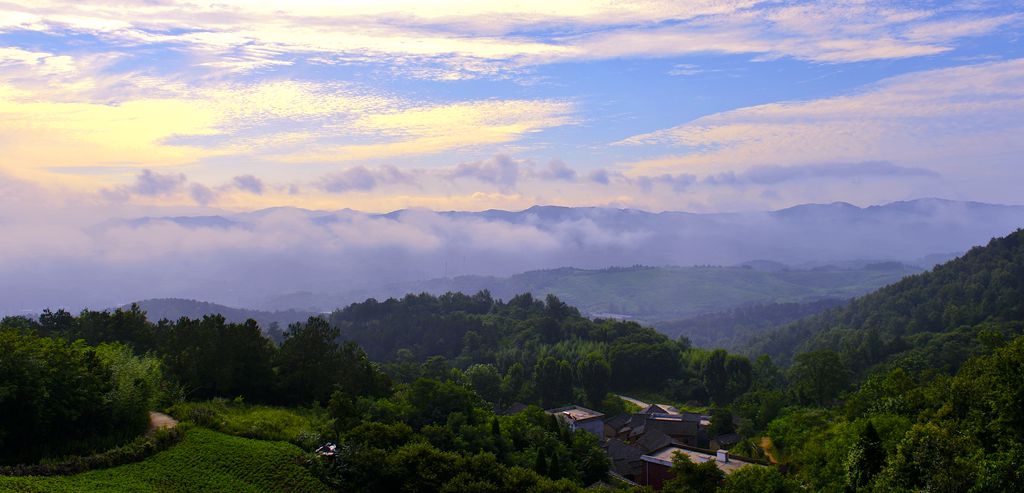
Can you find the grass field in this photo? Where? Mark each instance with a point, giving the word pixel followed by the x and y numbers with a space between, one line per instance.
pixel 204 461
pixel 298 426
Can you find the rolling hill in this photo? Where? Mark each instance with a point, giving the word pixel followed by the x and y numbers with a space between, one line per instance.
pixel 647 294
pixel 942 316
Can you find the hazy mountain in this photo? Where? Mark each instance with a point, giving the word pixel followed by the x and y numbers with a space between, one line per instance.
pixel 248 259
pixel 175 308
pixel 648 294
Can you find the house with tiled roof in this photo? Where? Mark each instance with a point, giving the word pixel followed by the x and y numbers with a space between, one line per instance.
pixel 580 418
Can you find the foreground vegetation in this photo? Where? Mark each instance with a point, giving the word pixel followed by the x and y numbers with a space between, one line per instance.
pixel 919 387
pixel 60 398
pixel 203 461
pixel 301 426
pixel 888 396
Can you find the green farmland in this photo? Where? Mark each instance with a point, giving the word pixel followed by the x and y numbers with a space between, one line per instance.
pixel 204 461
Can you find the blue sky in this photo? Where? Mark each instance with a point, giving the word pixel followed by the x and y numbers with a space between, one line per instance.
pixel 703 105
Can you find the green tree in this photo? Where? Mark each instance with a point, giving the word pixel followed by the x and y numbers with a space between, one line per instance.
pixel 932 457
pixel 688 477
pixel 312 364
pixel 540 463
pixel 594 374
pixel 721 422
pixel 818 377
pixel 554 381
pixel 59 397
pixel 725 376
pixel 757 479
pixel 865 459
pixel 486 381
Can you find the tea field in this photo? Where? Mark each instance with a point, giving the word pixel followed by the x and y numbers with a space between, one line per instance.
pixel 204 461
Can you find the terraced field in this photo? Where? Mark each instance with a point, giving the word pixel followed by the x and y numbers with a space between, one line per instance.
pixel 204 461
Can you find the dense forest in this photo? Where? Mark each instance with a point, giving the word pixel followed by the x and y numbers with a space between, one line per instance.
pixel 937 315
pixel 917 387
pixel 649 294
pixel 436 391
pixel 925 384
pixel 731 329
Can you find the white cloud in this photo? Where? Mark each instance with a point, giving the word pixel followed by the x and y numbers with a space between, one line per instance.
pixel 451 40
pixel 938 119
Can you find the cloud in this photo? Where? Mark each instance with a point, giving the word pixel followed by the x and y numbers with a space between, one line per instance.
pixel 430 129
pixel 557 170
pixel 202 194
pixel 685 69
pixel 362 179
pixel 148 183
pixel 678 183
pixel 771 175
pixel 151 183
pixel 249 183
pixel 458 39
pixel 500 170
pixel 598 176
pixel 936 119
pixel 157 122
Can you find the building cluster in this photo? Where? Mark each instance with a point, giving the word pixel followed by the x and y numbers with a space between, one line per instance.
pixel 641 445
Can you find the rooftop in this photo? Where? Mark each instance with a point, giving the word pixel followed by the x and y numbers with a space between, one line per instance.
pixel 576 413
pixel 664 457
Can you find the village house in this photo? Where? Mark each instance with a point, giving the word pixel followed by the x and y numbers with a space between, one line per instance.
pixel 657 465
pixel 580 418
pixel 681 427
pixel 654 428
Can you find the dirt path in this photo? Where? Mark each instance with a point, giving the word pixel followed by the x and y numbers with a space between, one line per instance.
pixel 160 420
pixel 633 401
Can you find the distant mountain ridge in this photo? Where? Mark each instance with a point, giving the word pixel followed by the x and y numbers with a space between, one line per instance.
pixel 647 294
pixel 248 259
pixel 175 308
pixel 554 212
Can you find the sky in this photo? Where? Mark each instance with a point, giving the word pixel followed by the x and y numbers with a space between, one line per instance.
pixel 135 107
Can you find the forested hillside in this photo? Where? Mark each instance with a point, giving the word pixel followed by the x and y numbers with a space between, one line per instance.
pixel 273 322
pixel 508 342
pixel 917 387
pixel 447 364
pixel 731 329
pixel 936 315
pixel 647 294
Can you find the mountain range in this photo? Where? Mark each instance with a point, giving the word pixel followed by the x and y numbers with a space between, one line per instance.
pixel 264 258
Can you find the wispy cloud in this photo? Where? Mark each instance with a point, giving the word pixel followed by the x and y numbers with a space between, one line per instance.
pixel 456 39
pixel 157 123
pixel 772 175
pixel 930 119
pixel 207 89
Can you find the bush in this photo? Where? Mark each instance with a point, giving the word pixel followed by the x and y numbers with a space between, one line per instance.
pixel 60 398
pixel 302 427
pixel 138 449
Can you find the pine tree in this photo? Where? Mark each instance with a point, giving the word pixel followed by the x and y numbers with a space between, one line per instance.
pixel 541 464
